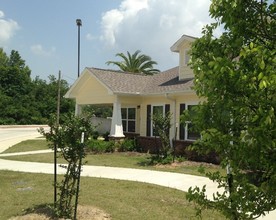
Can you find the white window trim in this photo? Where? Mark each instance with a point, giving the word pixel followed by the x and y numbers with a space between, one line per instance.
pixel 127 119
pixel 188 122
pixel 186 62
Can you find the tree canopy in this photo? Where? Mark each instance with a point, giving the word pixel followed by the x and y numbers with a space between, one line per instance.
pixel 135 63
pixel 235 76
pixel 27 101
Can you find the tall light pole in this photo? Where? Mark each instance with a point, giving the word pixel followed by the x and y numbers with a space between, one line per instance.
pixel 79 24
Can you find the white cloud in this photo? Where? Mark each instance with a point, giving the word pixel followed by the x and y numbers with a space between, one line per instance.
pixel 153 26
pixel 111 20
pixel 38 49
pixel 90 37
pixel 7 28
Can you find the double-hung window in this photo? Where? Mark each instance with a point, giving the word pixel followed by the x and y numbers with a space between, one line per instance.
pixel 190 133
pixel 186 57
pixel 152 110
pixel 156 110
pixel 128 119
pixel 186 130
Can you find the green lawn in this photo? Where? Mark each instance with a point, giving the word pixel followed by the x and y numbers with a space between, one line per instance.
pixel 124 200
pixel 28 145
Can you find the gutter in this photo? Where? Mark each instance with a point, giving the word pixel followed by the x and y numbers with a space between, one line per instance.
pixel 190 91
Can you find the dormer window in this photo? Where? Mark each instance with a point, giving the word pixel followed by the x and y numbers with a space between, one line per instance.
pixel 186 57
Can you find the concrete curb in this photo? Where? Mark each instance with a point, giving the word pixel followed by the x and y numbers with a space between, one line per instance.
pixel 25 153
pixel 22 126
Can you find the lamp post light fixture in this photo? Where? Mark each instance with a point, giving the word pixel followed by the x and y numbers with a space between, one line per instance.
pixel 79 24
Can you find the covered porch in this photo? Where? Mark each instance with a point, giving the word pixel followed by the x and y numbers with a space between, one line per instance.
pixel 88 90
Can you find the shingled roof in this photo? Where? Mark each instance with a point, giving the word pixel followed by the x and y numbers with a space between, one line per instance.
pixel 130 83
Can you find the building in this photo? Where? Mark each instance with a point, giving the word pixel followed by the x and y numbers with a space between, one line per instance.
pixel 135 97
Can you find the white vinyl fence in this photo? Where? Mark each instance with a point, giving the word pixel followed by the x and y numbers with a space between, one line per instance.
pixel 103 125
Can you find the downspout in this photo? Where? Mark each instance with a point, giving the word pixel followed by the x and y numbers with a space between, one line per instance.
pixel 174 117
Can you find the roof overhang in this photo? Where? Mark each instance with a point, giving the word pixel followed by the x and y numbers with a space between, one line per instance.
pixel 86 73
pixel 185 38
pixel 188 91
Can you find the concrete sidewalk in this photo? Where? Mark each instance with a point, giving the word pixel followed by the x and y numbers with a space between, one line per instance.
pixel 26 153
pixel 167 179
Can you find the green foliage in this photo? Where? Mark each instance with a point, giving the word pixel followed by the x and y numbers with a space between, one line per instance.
pixel 67 138
pixel 159 159
pixel 128 145
pixel 100 146
pixel 135 63
pixel 15 89
pixel 162 125
pixel 27 101
pixel 45 98
pixel 235 74
pixel 97 111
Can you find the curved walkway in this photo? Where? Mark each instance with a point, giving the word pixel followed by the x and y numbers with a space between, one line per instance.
pixel 173 180
pixel 168 179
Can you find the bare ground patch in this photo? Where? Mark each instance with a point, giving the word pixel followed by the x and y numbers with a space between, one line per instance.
pixel 187 164
pixel 84 213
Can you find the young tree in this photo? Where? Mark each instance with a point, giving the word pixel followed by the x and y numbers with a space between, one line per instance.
pixel 135 63
pixel 162 125
pixel 235 75
pixel 67 138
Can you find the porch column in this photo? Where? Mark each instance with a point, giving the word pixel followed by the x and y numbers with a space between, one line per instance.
pixel 77 109
pixel 116 123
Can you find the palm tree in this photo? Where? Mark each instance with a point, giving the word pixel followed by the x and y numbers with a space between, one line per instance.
pixel 135 63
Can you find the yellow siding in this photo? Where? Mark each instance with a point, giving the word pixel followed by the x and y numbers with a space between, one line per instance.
pixel 184 70
pixel 130 100
pixel 173 100
pixel 93 92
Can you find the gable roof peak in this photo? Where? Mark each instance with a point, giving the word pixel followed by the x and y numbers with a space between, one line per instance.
pixel 184 37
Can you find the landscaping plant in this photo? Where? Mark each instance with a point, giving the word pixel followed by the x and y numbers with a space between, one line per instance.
pixel 69 138
pixel 162 125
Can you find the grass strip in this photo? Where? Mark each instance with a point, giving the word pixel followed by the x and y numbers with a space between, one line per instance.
pixel 28 145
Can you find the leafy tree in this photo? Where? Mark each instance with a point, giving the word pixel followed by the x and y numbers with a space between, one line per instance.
pixel 101 111
pixel 45 98
pixel 27 101
pixel 15 87
pixel 3 58
pixel 235 74
pixel 135 63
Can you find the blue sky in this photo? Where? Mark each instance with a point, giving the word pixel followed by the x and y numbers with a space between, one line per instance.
pixel 45 32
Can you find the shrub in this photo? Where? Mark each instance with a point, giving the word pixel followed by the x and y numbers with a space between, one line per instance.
pixel 162 126
pixel 99 146
pixel 95 134
pixel 157 159
pixel 127 145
